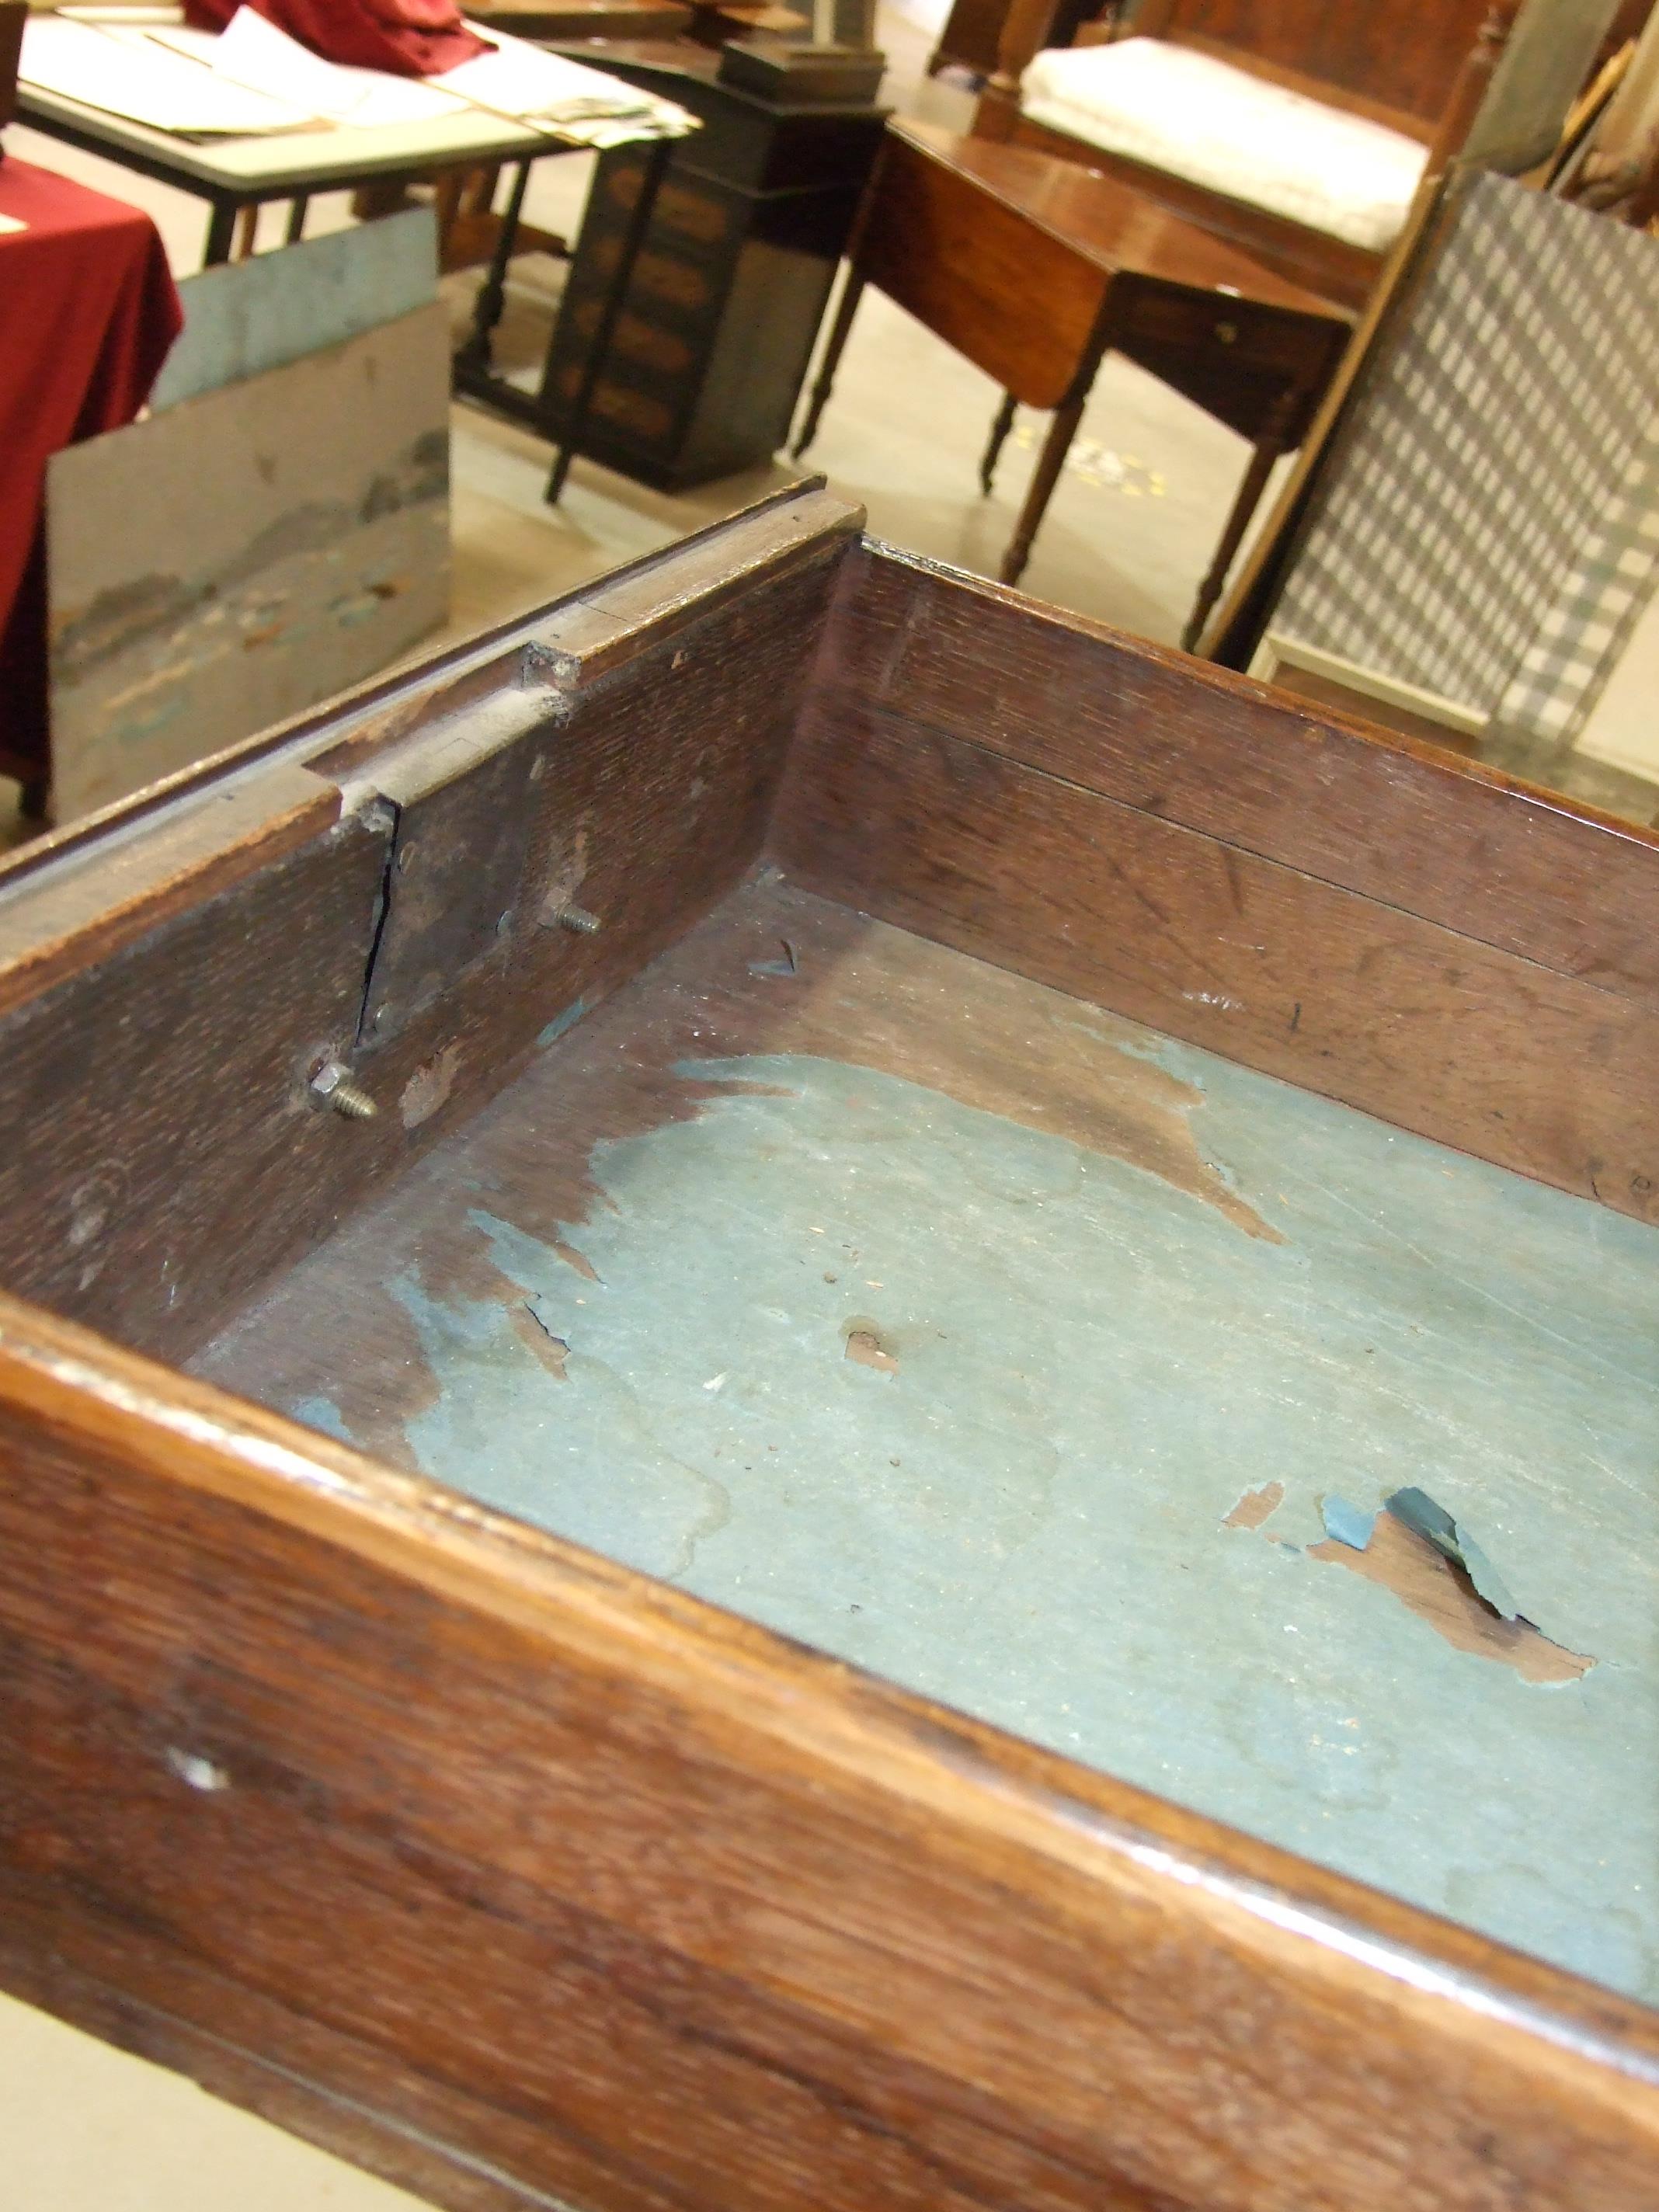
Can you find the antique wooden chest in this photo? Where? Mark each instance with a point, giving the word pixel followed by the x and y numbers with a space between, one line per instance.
pixel 818 1392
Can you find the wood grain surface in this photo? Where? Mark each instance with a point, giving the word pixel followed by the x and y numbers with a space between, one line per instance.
pixel 700 1920
pixel 1265 965
pixel 1344 910
pixel 1400 822
pixel 159 1062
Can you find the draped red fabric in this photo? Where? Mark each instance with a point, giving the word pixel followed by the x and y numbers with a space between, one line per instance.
pixel 87 311
pixel 409 38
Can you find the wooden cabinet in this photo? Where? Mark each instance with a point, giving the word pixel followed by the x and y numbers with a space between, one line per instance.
pixel 713 341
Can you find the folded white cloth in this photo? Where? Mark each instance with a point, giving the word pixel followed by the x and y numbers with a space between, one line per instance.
pixel 1218 126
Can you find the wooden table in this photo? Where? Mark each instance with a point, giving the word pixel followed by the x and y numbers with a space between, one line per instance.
pixel 569 20
pixel 235 174
pixel 1035 270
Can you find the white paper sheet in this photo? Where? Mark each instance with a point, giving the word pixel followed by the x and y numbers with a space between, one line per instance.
pixel 129 74
pixel 252 52
pixel 522 80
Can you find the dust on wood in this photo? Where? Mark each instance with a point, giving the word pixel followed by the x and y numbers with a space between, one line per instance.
pixel 1440 1592
pixel 861 991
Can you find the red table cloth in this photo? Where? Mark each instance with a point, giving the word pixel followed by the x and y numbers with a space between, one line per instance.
pixel 87 310
pixel 409 38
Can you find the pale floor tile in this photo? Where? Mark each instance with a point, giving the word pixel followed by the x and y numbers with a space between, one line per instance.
pixel 85 2128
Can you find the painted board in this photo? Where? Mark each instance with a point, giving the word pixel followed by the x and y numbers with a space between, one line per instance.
pixel 251 316
pixel 244 556
pixel 1032 1360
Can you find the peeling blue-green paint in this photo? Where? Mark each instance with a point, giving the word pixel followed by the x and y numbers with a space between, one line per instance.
pixel 1025 1518
pixel 322 1413
pixel 1451 1537
pixel 560 1022
pixel 1348 1523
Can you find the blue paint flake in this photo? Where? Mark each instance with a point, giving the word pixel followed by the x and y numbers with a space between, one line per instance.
pixel 1347 1524
pixel 560 1022
pixel 1452 1539
pixel 322 1413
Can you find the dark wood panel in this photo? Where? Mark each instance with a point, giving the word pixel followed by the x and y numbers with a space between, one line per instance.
pixel 165 1154
pixel 625 1901
pixel 1404 54
pixel 1401 821
pixel 174 1156
pixel 1334 992
pixel 956 260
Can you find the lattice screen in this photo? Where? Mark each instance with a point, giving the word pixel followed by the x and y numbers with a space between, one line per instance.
pixel 1491 532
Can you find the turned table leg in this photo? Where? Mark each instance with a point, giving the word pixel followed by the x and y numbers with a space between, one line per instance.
pixel 1269 448
pixel 852 292
pixel 999 429
pixel 1050 461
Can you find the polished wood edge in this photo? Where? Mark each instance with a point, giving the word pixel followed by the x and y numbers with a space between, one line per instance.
pixel 983 1793
pixel 99 897
pixel 406 695
pixel 1269 290
pixel 566 650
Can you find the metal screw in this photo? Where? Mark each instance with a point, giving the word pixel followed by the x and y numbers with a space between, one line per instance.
pixel 331 1085
pixel 573 917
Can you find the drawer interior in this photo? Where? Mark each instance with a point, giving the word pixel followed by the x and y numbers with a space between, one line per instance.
pixel 980 1147
pixel 1017 1353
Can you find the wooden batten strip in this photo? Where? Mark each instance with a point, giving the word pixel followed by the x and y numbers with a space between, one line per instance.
pixel 1387 817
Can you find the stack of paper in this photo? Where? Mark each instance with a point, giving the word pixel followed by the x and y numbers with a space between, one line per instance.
pixel 124 72
pixel 253 79
pixel 532 86
pixel 254 52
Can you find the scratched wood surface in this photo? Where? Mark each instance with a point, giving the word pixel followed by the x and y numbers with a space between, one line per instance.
pixel 1350 911
pixel 525 1877
pixel 164 993
pixel 942 1322
pixel 492 1855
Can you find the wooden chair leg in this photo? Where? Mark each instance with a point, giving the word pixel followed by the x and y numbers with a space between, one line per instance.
pixel 1238 521
pixel 1050 461
pixel 247 233
pixel 852 292
pixel 999 429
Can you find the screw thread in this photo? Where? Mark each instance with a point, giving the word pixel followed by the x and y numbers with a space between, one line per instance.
pixel 357 1105
pixel 578 919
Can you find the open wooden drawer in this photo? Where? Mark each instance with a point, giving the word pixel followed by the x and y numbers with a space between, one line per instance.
pixel 774 1194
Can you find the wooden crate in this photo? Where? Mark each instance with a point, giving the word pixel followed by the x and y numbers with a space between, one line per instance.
pixel 747 960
